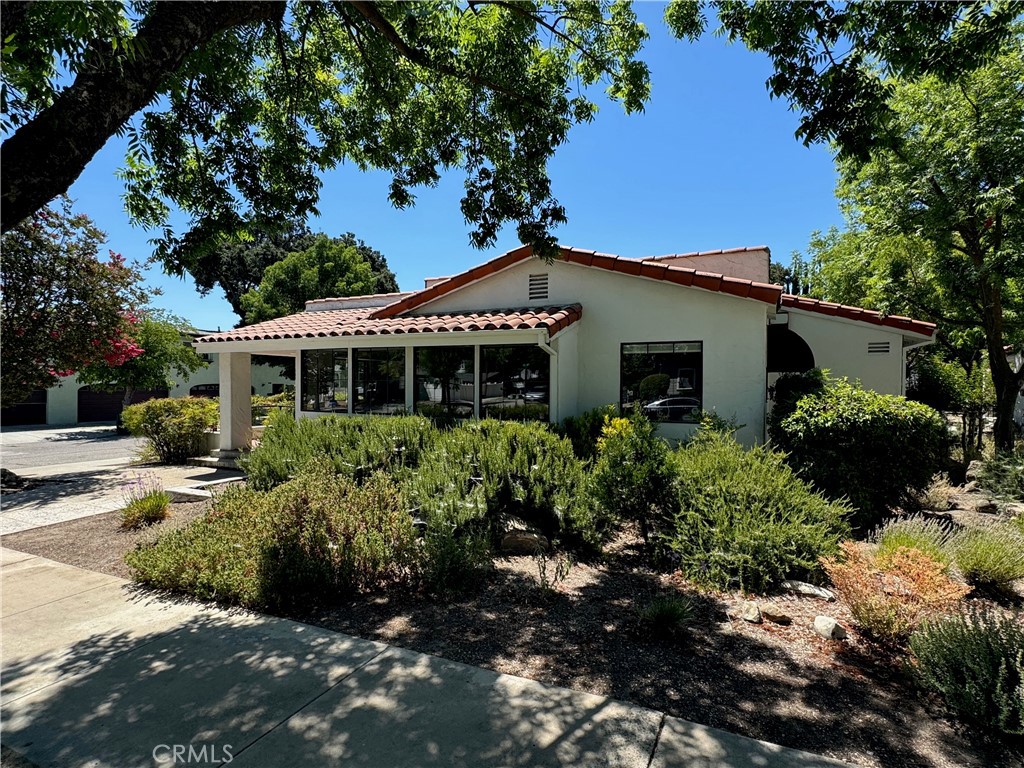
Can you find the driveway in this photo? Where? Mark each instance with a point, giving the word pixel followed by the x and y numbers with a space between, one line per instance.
pixel 99 675
pixel 32 451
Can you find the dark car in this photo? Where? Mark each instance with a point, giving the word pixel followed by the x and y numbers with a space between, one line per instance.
pixel 673 409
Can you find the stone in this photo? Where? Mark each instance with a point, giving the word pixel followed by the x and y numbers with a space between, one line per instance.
pixel 809 590
pixel 750 612
pixel 523 542
pixel 974 502
pixel 829 628
pixel 973 470
pixel 775 614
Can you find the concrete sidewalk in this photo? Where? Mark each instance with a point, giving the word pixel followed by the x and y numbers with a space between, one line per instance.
pixel 96 675
pixel 70 491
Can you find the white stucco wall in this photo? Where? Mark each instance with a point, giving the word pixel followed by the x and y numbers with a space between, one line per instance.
pixel 619 309
pixel 62 400
pixel 842 347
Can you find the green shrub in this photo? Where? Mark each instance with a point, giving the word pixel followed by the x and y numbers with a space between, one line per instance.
pixel 490 470
pixel 920 533
pixel 355 446
pixel 666 615
pixel 176 427
pixel 302 542
pixel 976 662
pixel 990 555
pixel 583 431
pixel 146 502
pixel 788 390
pixel 454 559
pixel 654 386
pixel 632 479
pixel 525 412
pixel 877 451
pixel 1003 476
pixel 744 519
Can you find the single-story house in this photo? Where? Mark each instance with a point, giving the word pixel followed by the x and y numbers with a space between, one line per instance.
pixel 522 337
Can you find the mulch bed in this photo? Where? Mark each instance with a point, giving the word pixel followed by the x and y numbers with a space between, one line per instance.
pixel 849 699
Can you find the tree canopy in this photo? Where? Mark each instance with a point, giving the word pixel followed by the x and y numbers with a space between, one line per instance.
pixel 328 268
pixel 244 104
pixel 238 267
pixel 165 351
pixel 936 220
pixel 61 308
pixel 836 62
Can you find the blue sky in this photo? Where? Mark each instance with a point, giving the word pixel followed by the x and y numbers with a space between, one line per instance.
pixel 711 163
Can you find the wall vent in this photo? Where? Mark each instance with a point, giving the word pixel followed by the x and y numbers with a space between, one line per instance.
pixel 538 289
pixel 878 347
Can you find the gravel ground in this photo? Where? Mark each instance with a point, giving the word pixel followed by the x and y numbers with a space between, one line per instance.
pixel 785 684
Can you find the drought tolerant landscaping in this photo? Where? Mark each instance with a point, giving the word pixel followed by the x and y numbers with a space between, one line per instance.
pixel 694 579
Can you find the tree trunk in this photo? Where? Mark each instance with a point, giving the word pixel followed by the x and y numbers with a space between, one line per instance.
pixel 42 159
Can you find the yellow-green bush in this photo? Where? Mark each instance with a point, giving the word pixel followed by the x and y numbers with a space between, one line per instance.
pixel 176 427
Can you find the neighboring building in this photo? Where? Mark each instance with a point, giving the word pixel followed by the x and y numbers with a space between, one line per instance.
pixel 521 337
pixel 70 403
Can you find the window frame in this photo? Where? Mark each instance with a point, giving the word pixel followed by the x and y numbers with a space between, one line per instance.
pixel 698 377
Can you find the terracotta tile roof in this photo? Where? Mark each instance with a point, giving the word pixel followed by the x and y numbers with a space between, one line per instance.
pixel 856 313
pixel 709 281
pixel 356 322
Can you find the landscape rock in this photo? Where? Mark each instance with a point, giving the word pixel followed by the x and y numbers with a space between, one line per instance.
pixel 829 628
pixel 523 542
pixel 775 614
pixel 810 590
pixel 973 470
pixel 750 612
pixel 974 502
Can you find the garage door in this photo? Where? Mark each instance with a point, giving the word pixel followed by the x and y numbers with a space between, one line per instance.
pixel 31 411
pixel 96 405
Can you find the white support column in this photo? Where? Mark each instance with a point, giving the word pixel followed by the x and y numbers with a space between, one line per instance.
pixel 235 401
pixel 351 382
pixel 410 381
pixel 477 394
pixel 299 394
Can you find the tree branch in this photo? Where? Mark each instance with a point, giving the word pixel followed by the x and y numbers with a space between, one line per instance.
pixel 45 155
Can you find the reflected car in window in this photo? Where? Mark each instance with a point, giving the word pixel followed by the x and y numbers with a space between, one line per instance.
pixel 685 409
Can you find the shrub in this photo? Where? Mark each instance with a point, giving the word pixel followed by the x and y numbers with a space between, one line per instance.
pixel 489 471
pixel 654 386
pixel 525 412
pixel 976 662
pixel 355 446
pixel 1003 476
pixel 990 555
pixel 145 502
pixel 299 543
pixel 583 431
pixel 891 596
pixel 938 495
pixel 632 479
pixel 788 390
pixel 878 451
pixel 454 560
pixel 743 518
pixel 920 533
pixel 666 615
pixel 176 427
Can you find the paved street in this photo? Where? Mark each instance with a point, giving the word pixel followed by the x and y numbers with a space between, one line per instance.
pixel 30 450
pixel 97 674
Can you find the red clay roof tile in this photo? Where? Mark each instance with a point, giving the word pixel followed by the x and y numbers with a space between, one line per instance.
pixel 357 322
pixel 857 313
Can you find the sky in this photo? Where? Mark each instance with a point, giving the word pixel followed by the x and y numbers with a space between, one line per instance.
pixel 711 163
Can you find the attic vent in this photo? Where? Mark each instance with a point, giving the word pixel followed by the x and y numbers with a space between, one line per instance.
pixel 538 287
pixel 878 347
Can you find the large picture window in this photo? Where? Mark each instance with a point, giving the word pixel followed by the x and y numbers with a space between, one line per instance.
pixel 515 382
pixel 665 379
pixel 325 381
pixel 444 382
pixel 379 380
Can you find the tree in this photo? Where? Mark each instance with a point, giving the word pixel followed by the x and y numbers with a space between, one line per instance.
pixel 245 103
pixel 328 268
pixel 165 353
pixel 62 308
pixel 238 267
pixel 836 61
pixel 937 218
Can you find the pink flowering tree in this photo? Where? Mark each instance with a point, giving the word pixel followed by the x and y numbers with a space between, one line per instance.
pixel 61 307
pixel 155 350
